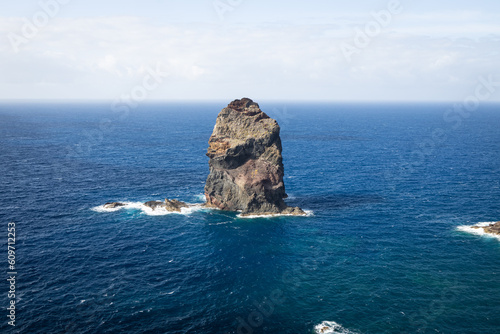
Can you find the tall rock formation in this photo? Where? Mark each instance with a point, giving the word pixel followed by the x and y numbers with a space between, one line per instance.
pixel 246 166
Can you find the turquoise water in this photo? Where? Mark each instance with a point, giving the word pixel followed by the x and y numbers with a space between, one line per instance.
pixel 388 185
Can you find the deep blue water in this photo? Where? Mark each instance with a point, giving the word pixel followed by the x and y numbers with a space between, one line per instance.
pixel 388 185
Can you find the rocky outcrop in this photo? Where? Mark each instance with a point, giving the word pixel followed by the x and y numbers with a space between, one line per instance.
pixel 174 205
pixel 154 204
pixel 246 166
pixel 493 228
pixel 169 205
pixel 113 205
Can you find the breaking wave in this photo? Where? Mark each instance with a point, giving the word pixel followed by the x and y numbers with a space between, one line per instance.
pixel 161 211
pixel 158 211
pixel 331 327
pixel 309 213
pixel 473 229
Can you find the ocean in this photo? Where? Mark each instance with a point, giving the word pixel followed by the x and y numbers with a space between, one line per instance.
pixel 388 186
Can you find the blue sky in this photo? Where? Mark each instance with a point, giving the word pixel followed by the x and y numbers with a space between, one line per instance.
pixel 394 50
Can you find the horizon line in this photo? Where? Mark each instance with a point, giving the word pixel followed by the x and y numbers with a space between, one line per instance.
pixel 219 100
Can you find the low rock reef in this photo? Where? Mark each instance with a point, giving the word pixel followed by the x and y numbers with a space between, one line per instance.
pixel 493 228
pixel 246 165
pixel 113 205
pixel 169 205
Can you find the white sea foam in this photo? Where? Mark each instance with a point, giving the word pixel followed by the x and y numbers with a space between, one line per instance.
pixel 126 205
pixel 158 211
pixel 220 223
pixel 478 231
pixel 309 213
pixel 331 327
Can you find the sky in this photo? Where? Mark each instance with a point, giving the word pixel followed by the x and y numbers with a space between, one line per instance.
pixel 337 50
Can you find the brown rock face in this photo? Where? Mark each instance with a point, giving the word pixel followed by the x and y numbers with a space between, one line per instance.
pixel 493 228
pixel 246 167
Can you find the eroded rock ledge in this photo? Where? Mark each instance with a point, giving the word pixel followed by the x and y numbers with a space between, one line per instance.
pixel 493 228
pixel 170 205
pixel 246 166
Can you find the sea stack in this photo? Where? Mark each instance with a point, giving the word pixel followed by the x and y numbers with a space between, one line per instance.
pixel 246 166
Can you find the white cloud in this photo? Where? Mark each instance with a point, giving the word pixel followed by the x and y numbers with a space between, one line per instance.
pixel 108 63
pixel 104 57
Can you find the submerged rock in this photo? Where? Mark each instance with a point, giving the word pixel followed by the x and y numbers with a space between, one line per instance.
pixel 488 228
pixel 113 205
pixel 169 205
pixel 327 327
pixel 246 166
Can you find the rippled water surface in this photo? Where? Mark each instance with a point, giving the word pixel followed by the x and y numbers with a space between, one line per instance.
pixel 388 185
